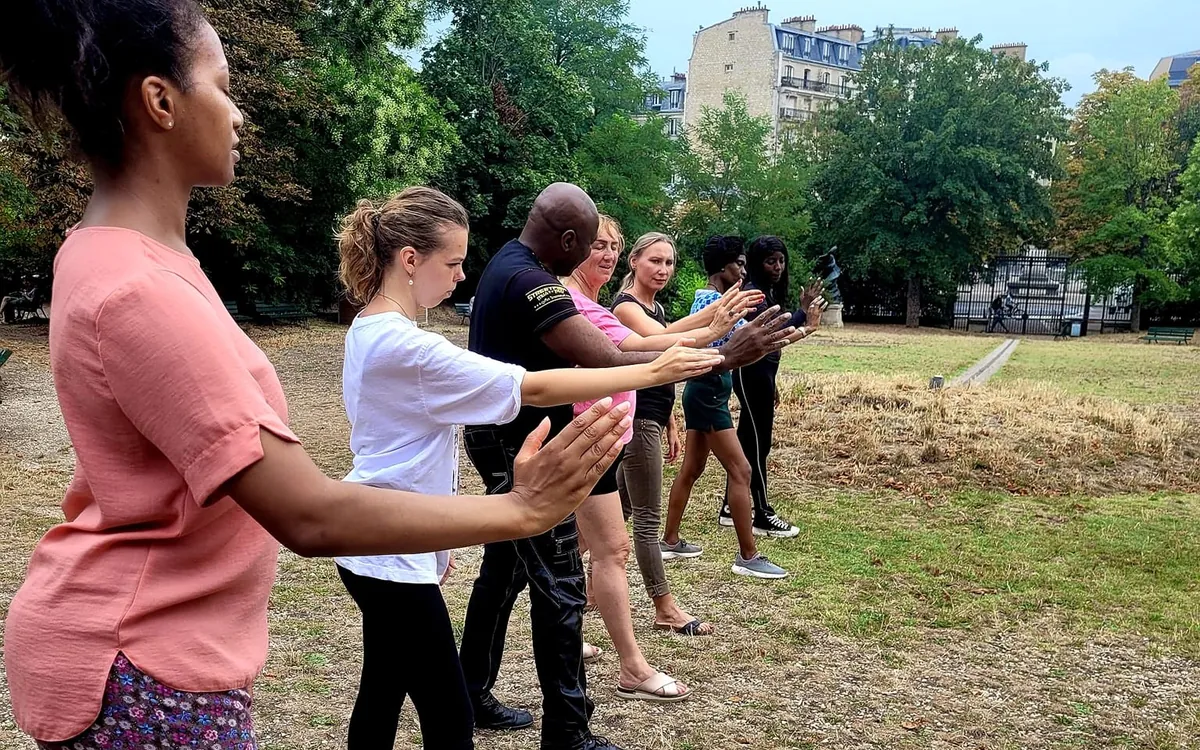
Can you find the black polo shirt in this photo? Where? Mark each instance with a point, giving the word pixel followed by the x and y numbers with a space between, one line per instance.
pixel 517 301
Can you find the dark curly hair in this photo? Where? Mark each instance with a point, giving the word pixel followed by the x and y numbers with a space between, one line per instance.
pixel 76 57
pixel 720 251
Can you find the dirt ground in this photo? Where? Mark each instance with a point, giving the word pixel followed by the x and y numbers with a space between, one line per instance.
pixel 770 678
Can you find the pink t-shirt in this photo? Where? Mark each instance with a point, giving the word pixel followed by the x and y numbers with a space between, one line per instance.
pixel 163 396
pixel 616 332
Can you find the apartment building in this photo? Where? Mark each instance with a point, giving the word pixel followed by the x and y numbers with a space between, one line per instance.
pixel 790 70
pixel 668 103
pixel 1176 67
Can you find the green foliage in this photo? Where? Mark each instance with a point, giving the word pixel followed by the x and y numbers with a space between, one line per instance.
pixel 1127 154
pixel 523 82
pixel 1184 226
pixel 626 167
pixel 935 164
pixel 732 181
pixel 677 297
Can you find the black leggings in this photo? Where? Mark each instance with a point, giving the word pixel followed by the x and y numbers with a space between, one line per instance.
pixel 408 650
pixel 754 386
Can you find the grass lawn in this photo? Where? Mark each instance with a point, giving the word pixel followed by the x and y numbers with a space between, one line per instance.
pixel 888 350
pixel 1058 608
pixel 1128 371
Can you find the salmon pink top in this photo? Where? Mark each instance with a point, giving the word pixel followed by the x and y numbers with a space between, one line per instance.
pixel 616 333
pixel 163 396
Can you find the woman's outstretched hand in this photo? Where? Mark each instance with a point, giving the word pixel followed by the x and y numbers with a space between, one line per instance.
pixel 682 362
pixel 551 480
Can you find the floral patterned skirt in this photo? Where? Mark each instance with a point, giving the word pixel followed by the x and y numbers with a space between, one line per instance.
pixel 140 713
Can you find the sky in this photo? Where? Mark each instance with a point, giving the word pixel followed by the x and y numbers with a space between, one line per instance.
pixel 1076 37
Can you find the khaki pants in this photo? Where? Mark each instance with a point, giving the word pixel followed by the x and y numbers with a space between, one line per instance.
pixel 640 483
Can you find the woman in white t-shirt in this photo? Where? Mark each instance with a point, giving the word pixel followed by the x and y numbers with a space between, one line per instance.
pixel 405 391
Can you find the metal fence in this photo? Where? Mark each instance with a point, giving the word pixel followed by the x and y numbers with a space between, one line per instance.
pixel 1036 293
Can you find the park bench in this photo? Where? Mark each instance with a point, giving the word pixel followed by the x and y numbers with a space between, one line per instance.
pixel 463 310
pixel 284 311
pixel 1177 335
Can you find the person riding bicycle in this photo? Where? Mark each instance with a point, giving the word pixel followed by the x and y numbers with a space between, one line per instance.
pixel 1003 306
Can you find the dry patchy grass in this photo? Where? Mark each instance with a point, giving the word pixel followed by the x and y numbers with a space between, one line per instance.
pixel 929 616
pixel 871 432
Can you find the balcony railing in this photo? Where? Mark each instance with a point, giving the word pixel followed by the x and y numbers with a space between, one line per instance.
pixel 807 84
pixel 798 115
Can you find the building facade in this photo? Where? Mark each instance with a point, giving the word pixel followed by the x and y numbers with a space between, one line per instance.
pixel 668 102
pixel 788 71
pixel 1175 68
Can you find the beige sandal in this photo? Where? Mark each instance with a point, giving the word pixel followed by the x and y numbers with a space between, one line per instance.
pixel 660 688
pixel 591 654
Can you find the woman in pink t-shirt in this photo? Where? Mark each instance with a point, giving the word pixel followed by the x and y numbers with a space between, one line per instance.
pixel 601 523
pixel 143 618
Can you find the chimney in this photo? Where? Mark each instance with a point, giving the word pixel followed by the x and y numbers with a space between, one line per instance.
pixel 924 32
pixel 801 23
pixel 679 77
pixel 1016 50
pixel 850 32
pixel 947 34
pixel 757 9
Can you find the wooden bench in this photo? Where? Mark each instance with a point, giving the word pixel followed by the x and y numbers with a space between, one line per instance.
pixel 1176 335
pixel 463 310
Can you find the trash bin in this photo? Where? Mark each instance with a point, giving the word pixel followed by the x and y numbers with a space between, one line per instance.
pixel 1076 327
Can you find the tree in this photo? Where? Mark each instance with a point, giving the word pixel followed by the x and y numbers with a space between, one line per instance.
pixel 1188 122
pixel 938 160
pixel 332 114
pixel 626 167
pixel 733 181
pixel 523 82
pixel 1127 156
pixel 1184 225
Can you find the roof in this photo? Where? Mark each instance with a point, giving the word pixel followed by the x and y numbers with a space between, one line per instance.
pixel 1175 67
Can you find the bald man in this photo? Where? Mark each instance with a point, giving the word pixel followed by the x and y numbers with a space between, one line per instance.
pixel 523 315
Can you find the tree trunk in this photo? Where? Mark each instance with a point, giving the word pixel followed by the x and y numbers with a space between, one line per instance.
pixel 1135 316
pixel 913 315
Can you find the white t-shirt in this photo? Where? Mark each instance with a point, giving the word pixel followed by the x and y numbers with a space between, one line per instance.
pixel 405 391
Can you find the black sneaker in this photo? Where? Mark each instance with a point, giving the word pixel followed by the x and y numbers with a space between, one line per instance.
pixel 725 518
pixel 774 526
pixel 492 714
pixel 592 742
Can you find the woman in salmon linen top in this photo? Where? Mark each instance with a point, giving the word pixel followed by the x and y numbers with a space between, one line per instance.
pixel 142 620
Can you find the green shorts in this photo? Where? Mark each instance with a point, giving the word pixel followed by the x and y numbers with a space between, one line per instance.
pixel 706 403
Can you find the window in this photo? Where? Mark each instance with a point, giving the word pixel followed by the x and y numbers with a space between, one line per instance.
pixel 789 71
pixel 825 50
pixel 674 127
pixel 807 75
pixel 843 54
pixel 732 35
pixel 826 79
pixel 845 85
pixel 789 43
pixel 675 95
pixel 807 46
pixel 728 67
